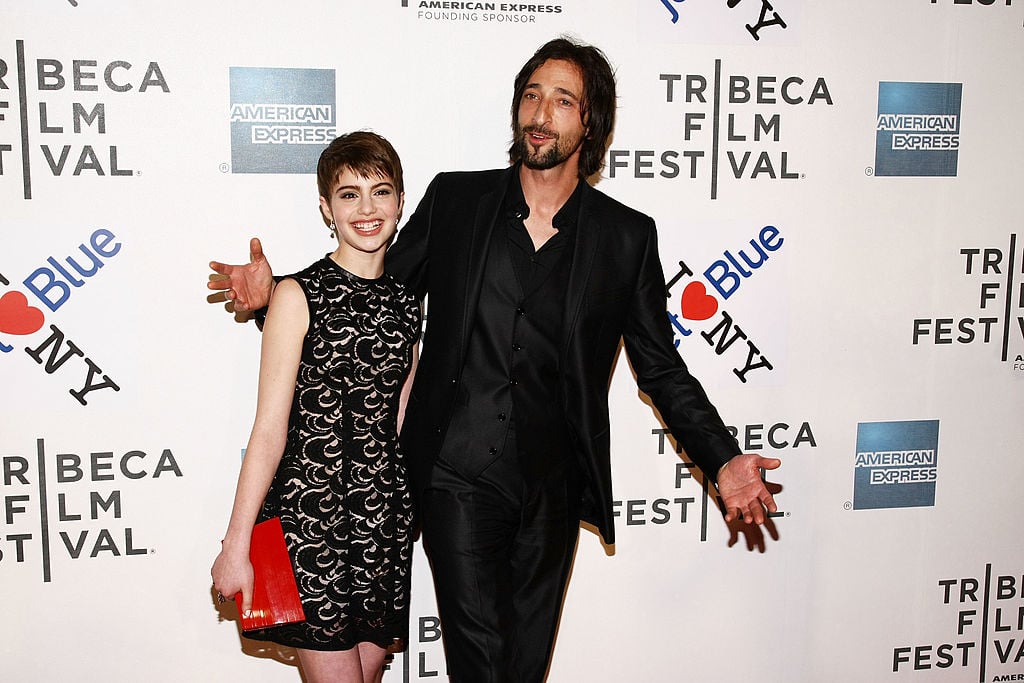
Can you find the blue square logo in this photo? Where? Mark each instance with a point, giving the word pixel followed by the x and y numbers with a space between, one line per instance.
pixel 281 119
pixel 896 464
pixel 917 129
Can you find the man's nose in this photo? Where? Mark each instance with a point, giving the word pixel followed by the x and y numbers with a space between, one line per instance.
pixel 542 111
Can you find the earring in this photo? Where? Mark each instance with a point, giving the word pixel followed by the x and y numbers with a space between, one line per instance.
pixel 333 229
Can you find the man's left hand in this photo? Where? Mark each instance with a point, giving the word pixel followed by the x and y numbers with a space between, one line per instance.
pixel 742 490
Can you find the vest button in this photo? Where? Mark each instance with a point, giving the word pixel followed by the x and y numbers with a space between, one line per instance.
pixel 501 417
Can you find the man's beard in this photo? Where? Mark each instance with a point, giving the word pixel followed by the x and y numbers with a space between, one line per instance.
pixel 537 160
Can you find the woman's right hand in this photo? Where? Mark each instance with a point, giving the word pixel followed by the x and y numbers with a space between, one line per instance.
pixel 232 573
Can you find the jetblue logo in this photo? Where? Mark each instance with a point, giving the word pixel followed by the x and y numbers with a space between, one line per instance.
pixel 917 129
pixel 726 276
pixel 896 464
pixel 281 119
pixel 53 285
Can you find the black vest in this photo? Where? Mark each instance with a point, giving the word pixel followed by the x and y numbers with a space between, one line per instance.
pixel 511 375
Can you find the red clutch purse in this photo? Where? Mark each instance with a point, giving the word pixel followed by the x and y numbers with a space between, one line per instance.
pixel 275 597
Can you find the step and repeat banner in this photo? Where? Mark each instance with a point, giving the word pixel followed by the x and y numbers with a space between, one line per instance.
pixel 838 189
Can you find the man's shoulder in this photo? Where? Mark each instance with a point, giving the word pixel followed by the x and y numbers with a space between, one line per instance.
pixel 607 206
pixel 487 177
pixel 461 190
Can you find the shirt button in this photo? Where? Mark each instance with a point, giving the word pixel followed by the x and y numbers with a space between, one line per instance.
pixel 492 450
pixel 513 381
pixel 517 347
pixel 501 417
pixel 521 312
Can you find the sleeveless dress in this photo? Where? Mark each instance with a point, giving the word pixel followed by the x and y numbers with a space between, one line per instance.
pixel 341 488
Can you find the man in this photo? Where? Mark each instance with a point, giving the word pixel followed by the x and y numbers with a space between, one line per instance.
pixel 532 278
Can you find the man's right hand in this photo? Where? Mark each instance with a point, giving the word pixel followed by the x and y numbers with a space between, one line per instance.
pixel 249 285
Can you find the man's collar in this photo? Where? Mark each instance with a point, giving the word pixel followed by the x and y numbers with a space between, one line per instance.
pixel 565 218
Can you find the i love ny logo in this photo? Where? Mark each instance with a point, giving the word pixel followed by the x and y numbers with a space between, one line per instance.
pixel 726 275
pixel 19 318
pixel 52 284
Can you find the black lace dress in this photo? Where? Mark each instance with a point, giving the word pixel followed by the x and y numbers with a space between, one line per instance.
pixel 341 488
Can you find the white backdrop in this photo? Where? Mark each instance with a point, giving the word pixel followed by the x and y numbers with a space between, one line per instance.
pixel 882 324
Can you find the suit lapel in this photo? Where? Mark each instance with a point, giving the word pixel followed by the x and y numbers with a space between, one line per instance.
pixel 481 233
pixel 588 236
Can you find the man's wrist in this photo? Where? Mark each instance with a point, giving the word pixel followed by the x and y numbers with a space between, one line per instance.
pixel 721 469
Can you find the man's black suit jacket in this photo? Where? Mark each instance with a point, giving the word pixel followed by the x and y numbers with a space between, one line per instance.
pixel 616 291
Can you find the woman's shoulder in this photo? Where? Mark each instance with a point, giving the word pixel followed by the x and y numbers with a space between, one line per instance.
pixel 289 292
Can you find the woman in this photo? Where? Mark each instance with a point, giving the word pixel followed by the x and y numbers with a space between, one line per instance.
pixel 339 348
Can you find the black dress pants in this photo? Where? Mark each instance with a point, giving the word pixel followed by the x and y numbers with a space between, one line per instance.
pixel 500 547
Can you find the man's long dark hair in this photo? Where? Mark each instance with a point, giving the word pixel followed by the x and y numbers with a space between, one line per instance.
pixel 597 109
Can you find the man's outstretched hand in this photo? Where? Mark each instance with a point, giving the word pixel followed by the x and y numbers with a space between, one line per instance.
pixel 248 285
pixel 743 492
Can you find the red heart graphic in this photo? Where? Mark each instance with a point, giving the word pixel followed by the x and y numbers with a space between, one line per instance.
pixel 696 303
pixel 16 316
